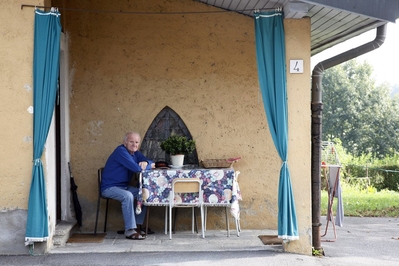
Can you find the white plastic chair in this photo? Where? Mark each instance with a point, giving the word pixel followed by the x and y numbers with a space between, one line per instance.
pixel 186 185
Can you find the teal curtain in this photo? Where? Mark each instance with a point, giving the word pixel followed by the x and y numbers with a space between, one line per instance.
pixel 270 56
pixel 46 54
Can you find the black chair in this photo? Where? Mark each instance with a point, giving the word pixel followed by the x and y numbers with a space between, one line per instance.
pixel 98 202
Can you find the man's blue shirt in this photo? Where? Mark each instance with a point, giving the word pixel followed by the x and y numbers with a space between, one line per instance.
pixel 120 167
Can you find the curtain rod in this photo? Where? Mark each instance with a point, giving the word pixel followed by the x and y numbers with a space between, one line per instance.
pixel 154 13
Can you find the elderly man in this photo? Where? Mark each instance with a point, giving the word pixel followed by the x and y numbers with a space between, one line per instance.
pixel 125 160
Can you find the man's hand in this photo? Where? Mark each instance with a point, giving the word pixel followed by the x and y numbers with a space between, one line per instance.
pixel 143 165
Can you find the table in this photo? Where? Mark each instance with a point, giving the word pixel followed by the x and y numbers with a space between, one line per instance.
pixel 219 185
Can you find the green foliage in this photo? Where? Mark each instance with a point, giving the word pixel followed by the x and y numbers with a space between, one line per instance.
pixel 343 156
pixel 362 115
pixel 365 170
pixel 369 184
pixel 317 252
pixel 178 145
pixel 386 179
pixel 365 202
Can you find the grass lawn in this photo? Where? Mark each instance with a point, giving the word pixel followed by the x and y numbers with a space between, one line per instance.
pixel 364 202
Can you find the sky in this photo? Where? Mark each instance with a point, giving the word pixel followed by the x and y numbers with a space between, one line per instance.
pixel 385 59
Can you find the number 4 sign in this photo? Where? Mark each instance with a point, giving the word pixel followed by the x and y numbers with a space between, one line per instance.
pixel 296 66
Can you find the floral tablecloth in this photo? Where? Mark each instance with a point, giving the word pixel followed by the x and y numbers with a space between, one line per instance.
pixel 219 186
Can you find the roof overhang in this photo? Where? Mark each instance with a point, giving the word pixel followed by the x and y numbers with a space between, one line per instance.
pixel 332 22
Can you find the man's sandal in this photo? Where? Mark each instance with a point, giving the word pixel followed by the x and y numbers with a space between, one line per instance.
pixel 135 236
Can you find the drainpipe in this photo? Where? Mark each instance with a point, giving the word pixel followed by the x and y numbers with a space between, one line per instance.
pixel 317 108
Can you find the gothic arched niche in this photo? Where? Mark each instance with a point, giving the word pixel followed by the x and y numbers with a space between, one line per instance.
pixel 166 123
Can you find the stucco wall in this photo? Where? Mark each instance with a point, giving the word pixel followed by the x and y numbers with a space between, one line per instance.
pixel 297 40
pixel 16 52
pixel 127 67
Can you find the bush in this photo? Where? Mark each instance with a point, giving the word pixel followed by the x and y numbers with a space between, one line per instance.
pixel 367 170
pixel 178 145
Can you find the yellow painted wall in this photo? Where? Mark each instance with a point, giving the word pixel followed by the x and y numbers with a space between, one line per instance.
pixel 297 40
pixel 16 53
pixel 127 67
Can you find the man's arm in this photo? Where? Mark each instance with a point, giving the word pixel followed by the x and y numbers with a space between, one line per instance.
pixel 141 158
pixel 126 159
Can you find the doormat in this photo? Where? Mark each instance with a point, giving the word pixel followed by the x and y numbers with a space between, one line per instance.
pixel 87 238
pixel 271 240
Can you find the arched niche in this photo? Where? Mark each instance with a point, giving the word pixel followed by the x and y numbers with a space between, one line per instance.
pixel 166 123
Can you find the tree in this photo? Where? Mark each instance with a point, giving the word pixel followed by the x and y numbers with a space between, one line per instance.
pixel 362 115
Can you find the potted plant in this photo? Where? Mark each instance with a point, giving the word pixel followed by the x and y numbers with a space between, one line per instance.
pixel 177 146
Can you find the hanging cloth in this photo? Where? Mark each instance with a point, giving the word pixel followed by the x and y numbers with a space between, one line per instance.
pixel 270 56
pixel 46 53
pixel 335 191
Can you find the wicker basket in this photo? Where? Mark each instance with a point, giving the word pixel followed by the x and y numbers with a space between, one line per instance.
pixel 217 163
